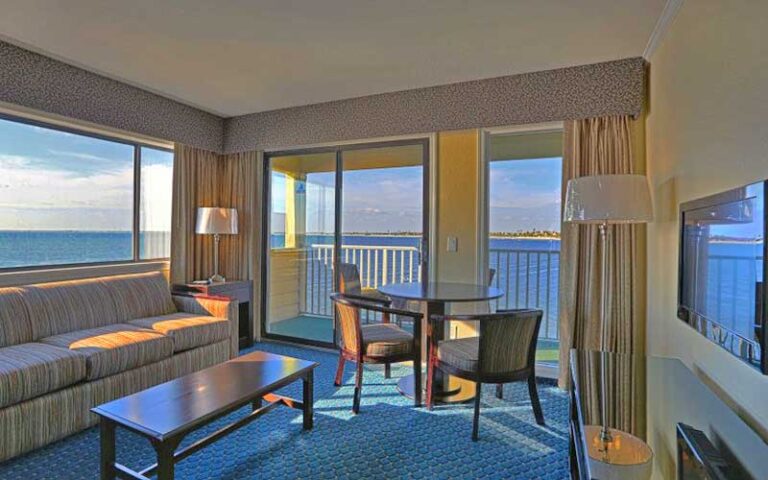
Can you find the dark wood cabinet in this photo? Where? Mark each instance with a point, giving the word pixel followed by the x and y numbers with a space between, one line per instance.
pixel 239 290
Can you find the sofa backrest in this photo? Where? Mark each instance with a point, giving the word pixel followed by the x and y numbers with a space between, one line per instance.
pixel 139 296
pixel 15 325
pixel 37 311
pixel 62 307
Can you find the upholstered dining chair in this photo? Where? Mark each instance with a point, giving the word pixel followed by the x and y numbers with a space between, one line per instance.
pixel 379 343
pixel 504 351
pixel 350 283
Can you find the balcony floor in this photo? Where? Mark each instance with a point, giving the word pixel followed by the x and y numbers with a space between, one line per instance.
pixel 308 327
pixel 317 328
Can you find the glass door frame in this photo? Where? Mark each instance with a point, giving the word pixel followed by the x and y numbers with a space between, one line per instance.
pixel 266 245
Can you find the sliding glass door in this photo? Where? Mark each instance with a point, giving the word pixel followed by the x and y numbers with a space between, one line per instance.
pixel 362 204
pixel 383 220
pixel 302 216
pixel 524 198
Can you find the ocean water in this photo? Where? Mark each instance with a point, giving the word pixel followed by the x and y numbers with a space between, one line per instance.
pixel 28 248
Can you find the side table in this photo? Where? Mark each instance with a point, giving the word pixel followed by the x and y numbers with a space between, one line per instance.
pixel 239 290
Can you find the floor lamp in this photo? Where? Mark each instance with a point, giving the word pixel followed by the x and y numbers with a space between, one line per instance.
pixel 604 200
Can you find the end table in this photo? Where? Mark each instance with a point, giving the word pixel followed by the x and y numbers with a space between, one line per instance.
pixel 238 290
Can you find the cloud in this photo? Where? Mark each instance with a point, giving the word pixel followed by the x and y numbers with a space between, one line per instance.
pixel 529 199
pixel 80 156
pixel 29 186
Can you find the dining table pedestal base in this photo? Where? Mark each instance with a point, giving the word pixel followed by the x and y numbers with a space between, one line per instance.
pixel 452 390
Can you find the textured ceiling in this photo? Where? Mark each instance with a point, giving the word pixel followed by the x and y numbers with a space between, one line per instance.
pixel 237 57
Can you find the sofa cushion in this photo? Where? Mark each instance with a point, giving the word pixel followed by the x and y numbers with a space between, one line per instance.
pixel 15 325
pixel 61 307
pixel 29 370
pixel 186 329
pixel 139 296
pixel 114 348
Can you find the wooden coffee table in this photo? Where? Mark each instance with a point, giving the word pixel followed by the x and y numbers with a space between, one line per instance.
pixel 166 413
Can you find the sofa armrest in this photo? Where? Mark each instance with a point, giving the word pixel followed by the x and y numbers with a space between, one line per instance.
pixel 220 307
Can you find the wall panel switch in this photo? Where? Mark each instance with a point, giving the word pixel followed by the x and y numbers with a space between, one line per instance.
pixel 453 244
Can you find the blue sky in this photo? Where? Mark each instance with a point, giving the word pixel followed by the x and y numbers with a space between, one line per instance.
pixel 524 194
pixel 52 180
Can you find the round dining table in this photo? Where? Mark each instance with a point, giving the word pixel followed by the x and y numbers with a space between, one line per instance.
pixel 433 296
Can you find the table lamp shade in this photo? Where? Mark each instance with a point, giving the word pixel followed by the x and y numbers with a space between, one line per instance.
pixel 214 220
pixel 608 199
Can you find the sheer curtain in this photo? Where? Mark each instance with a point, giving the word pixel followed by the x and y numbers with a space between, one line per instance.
pixel 594 146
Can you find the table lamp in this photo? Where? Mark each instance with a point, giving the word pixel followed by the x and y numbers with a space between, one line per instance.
pixel 604 200
pixel 216 221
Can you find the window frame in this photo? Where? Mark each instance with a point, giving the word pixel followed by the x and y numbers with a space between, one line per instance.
pixel 137 146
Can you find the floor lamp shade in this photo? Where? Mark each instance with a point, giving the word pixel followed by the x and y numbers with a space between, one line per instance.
pixel 214 220
pixel 608 199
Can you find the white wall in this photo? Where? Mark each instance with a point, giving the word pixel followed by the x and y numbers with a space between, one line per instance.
pixel 707 131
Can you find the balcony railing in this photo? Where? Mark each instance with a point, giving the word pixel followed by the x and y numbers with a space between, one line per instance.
pixel 378 265
pixel 528 278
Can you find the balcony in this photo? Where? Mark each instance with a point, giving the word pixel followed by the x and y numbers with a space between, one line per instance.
pixel 528 277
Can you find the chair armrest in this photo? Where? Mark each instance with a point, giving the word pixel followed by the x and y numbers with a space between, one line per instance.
pixel 214 306
pixel 383 301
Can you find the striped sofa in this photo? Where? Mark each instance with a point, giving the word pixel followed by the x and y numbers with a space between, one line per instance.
pixel 66 347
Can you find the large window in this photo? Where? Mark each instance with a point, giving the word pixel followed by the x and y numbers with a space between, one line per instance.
pixel 71 198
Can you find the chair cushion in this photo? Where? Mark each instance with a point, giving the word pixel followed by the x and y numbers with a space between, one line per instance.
pixel 461 353
pixel 29 370
pixel 186 329
pixel 386 339
pixel 140 295
pixel 115 348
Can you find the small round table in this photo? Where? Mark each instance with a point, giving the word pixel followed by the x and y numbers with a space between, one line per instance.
pixel 435 295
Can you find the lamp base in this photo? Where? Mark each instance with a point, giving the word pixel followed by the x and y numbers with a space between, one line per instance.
pixel 624 457
pixel 217 279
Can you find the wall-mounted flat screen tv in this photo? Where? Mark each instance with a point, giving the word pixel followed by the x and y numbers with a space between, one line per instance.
pixel 722 269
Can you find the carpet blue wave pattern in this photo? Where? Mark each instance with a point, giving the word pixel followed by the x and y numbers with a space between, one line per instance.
pixel 389 439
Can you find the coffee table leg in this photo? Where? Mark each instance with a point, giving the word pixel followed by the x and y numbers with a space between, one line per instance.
pixel 307 400
pixel 165 461
pixel 107 439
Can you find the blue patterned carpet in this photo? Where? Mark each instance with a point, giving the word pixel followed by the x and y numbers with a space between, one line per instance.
pixel 388 439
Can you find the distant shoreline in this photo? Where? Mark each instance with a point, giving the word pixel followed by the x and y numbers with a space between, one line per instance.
pixel 414 235
pixel 522 237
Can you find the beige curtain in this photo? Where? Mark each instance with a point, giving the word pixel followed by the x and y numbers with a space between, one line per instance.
pixel 195 174
pixel 207 179
pixel 626 403
pixel 607 145
pixel 240 187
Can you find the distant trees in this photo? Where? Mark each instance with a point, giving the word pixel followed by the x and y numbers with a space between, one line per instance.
pixel 535 233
